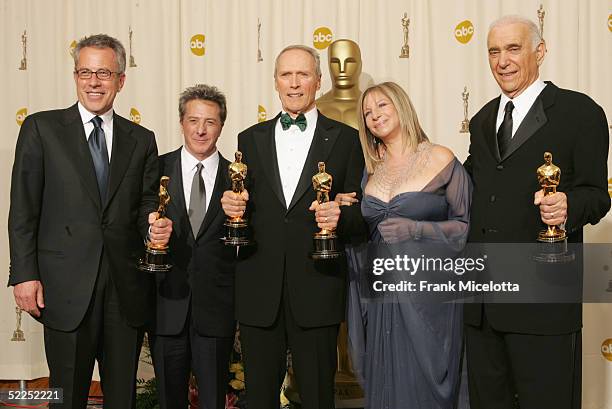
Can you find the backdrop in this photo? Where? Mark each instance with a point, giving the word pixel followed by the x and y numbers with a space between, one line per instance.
pixel 177 43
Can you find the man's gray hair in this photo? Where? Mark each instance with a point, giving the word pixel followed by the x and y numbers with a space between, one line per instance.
pixel 102 41
pixel 203 92
pixel 534 30
pixel 314 53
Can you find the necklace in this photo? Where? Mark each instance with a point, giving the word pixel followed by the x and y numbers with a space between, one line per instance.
pixel 388 178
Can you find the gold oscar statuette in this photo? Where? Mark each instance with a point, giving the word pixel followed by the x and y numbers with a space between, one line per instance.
pixel 154 260
pixel 132 61
pixel 465 124
pixel 259 57
pixel 549 176
pixel 18 333
pixel 541 14
pixel 237 228
pixel 405 53
pixel 24 46
pixel 553 247
pixel 325 241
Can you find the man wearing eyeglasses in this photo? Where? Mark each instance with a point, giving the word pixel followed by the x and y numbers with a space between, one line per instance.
pixel 83 197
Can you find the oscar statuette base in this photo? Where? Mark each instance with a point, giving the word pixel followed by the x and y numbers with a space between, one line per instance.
pixel 237 232
pixel 553 247
pixel 154 260
pixel 325 246
pixel 18 336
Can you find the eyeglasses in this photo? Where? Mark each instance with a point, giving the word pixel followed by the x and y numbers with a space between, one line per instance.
pixel 102 74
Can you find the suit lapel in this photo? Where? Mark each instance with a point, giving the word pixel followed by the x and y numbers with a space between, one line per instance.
pixel 323 140
pixel 176 191
pixel 534 120
pixel 266 149
pixel 489 129
pixel 78 152
pixel 123 147
pixel 214 202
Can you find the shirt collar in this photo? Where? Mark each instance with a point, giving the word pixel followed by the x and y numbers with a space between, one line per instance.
pixel 525 100
pixel 190 162
pixel 87 116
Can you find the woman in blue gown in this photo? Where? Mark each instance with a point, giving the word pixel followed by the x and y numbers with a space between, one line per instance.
pixel 406 352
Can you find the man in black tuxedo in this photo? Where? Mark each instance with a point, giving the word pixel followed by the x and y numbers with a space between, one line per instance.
pixel 532 351
pixel 195 300
pixel 83 197
pixel 283 298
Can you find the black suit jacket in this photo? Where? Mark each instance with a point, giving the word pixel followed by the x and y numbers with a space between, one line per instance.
pixel 573 128
pixel 283 233
pixel 59 229
pixel 202 275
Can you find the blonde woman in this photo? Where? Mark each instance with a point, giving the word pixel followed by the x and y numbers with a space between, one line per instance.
pixel 407 353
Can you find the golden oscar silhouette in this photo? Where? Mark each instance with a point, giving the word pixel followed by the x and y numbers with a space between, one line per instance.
pixel 340 103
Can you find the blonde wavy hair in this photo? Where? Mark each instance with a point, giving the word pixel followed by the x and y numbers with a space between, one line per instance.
pixel 412 133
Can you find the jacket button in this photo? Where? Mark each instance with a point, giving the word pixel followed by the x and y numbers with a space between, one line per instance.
pixel 499 167
pixel 492 198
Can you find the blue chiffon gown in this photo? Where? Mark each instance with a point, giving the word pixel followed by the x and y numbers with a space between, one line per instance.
pixel 408 354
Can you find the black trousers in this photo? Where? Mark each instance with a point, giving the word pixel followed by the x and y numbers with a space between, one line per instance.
pixel 103 335
pixel 176 356
pixel 314 359
pixel 538 371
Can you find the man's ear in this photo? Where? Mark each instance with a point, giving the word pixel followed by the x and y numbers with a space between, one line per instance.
pixel 540 52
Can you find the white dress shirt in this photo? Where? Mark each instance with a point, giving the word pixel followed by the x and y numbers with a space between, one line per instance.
pixel 107 126
pixel 292 148
pixel 209 173
pixel 522 105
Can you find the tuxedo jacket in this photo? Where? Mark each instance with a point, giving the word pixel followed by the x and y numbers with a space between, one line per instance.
pixel 573 128
pixel 59 231
pixel 283 232
pixel 202 275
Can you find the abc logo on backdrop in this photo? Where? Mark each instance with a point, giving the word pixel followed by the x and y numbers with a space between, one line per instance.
pixel 262 115
pixel 606 349
pixel 72 47
pixel 464 31
pixel 135 116
pixel 322 38
pixel 21 115
pixel 196 45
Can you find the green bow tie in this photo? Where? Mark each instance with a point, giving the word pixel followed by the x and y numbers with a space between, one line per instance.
pixel 286 122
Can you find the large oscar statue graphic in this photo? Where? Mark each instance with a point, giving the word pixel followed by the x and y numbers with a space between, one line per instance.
pixel 344 57
pixel 154 260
